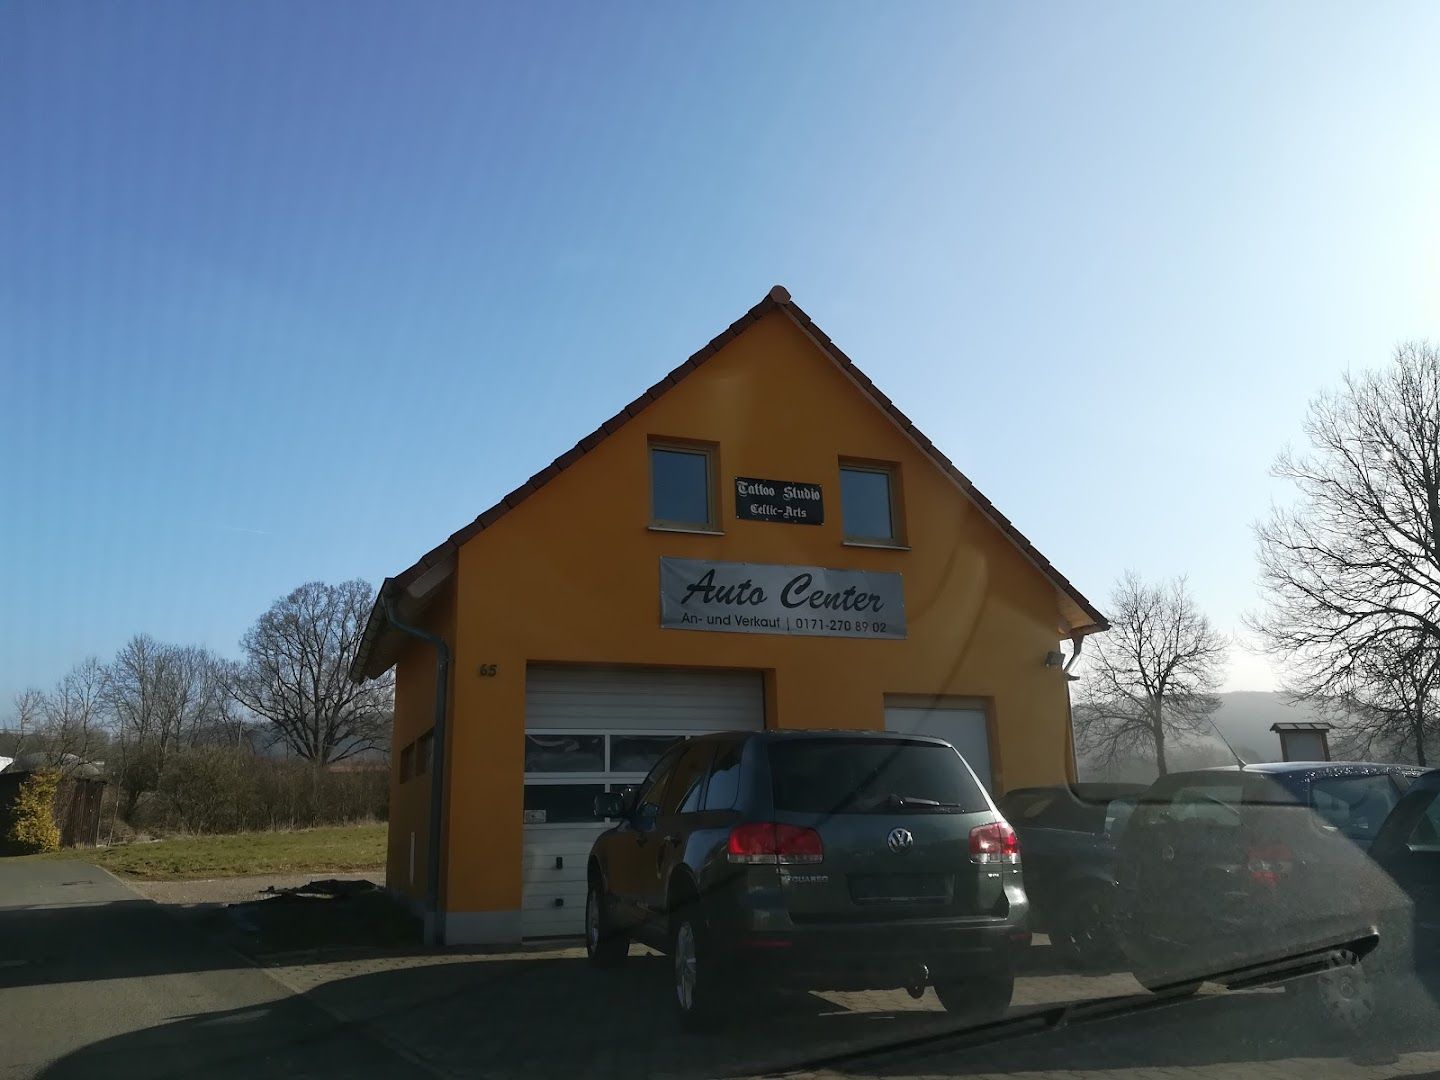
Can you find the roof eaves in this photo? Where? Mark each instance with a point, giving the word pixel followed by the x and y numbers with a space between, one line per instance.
pixel 988 508
pixel 777 299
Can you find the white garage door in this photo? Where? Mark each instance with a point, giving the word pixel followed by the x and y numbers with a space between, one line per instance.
pixel 589 730
pixel 962 726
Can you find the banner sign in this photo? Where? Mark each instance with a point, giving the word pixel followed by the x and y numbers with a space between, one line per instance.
pixel 758 598
pixel 778 500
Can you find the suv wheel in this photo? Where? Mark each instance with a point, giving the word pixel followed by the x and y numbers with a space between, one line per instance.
pixel 1085 931
pixel 605 946
pixel 979 999
pixel 697 988
pixel 1345 998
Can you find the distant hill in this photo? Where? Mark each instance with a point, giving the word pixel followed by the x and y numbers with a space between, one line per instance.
pixel 1245 717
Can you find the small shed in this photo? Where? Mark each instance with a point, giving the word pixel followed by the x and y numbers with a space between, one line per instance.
pixel 1303 741
pixel 77 802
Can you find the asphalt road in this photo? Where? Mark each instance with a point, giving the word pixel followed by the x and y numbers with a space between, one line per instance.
pixel 97 981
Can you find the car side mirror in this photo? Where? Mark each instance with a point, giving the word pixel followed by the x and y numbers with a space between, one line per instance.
pixel 609 804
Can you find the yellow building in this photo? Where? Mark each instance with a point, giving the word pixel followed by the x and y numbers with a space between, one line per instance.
pixel 761 539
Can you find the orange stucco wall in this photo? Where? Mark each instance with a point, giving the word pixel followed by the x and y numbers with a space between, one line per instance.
pixel 571 575
pixel 414 714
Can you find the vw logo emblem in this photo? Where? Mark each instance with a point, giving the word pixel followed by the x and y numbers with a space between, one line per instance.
pixel 900 841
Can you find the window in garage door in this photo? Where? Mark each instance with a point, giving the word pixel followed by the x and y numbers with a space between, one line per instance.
pixel 962 723
pixel 589 730
pixel 565 770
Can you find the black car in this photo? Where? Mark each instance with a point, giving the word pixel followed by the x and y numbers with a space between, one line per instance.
pixel 818 860
pixel 1228 869
pixel 1068 835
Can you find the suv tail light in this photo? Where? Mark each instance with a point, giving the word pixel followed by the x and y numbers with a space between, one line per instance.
pixel 994 843
pixel 769 843
pixel 1268 863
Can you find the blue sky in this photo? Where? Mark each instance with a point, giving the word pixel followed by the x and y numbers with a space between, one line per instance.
pixel 291 291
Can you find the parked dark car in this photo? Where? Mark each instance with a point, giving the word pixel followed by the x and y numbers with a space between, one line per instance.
pixel 1068 836
pixel 1408 850
pixel 819 860
pixel 1233 868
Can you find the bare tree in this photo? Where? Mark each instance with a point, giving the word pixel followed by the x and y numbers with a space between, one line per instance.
pixel 295 673
pixel 1392 707
pixel 221 721
pixel 27 713
pixel 136 693
pixel 1352 568
pixel 72 716
pixel 1152 677
pixel 163 698
pixel 200 709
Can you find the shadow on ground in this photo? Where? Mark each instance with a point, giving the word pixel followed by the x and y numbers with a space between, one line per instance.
pixel 549 1013
pixel 556 1016
pixel 85 942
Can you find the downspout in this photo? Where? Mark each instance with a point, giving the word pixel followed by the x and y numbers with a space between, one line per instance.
pixel 1077 640
pixel 435 916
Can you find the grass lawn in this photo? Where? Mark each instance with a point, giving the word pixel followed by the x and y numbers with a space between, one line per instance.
pixel 337 848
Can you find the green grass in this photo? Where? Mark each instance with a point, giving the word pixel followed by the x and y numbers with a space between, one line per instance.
pixel 302 851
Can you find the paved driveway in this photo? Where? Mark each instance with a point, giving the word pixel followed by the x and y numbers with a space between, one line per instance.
pixel 97 981
pixel 545 1013
pixel 101 983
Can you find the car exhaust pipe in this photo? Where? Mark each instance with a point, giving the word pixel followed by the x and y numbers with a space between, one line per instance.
pixel 916 988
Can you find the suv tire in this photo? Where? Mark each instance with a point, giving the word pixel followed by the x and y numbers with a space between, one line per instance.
pixel 605 945
pixel 1084 933
pixel 980 999
pixel 697 987
pixel 1343 999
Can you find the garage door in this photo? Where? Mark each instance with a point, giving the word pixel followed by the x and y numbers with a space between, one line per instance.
pixel 962 726
pixel 589 730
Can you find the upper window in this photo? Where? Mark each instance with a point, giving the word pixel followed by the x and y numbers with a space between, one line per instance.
pixel 724 777
pixel 564 753
pixel 687 783
pixel 638 753
pixel 648 798
pixel 867 503
pixel 407 763
pixel 681 488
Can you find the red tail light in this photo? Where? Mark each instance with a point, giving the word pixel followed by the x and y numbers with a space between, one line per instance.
pixel 996 843
pixel 1268 863
pixel 767 842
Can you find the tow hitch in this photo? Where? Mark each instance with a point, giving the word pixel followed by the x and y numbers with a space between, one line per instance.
pixel 916 987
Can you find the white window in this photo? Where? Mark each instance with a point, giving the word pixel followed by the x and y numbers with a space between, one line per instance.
pixel 868 504
pixel 682 492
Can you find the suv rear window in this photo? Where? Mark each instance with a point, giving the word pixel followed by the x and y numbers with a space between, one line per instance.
pixel 864 776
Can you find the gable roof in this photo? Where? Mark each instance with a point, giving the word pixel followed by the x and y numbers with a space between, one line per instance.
pixel 418 582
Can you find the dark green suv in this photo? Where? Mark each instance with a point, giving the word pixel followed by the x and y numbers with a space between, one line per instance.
pixel 816 860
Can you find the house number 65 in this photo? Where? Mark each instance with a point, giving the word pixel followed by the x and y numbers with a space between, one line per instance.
pixel 487 670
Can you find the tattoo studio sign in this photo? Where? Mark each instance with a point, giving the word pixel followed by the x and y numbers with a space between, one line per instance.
pixel 788 501
pixel 758 598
